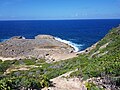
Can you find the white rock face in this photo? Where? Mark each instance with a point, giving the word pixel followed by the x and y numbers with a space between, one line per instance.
pixel 44 37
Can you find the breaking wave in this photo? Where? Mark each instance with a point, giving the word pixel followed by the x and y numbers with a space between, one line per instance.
pixel 76 47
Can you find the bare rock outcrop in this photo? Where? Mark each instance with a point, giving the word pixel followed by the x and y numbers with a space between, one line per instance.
pixel 17 37
pixel 44 37
pixel 43 46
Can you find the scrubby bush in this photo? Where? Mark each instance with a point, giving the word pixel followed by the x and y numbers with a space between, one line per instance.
pixel 24 82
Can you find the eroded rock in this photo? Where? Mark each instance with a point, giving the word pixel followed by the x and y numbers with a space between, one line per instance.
pixel 40 47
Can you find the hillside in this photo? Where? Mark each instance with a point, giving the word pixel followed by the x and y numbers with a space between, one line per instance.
pixel 103 61
pixel 98 68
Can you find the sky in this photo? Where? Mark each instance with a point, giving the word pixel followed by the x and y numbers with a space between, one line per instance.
pixel 59 9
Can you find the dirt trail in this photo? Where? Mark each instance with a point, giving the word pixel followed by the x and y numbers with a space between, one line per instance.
pixel 63 83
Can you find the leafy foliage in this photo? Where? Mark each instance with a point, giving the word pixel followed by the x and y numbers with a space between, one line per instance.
pixel 88 65
pixel 24 82
pixel 92 86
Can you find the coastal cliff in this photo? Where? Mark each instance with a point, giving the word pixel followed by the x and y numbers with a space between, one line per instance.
pixel 43 46
pixel 96 68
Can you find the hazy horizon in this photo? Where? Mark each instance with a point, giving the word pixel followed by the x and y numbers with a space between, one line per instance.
pixel 56 19
pixel 59 10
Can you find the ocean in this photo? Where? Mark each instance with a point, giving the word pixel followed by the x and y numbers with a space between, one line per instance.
pixel 78 33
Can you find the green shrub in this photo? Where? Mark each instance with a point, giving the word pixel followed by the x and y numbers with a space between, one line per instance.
pixel 17 83
pixel 92 86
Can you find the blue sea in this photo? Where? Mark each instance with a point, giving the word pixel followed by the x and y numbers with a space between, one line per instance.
pixel 78 33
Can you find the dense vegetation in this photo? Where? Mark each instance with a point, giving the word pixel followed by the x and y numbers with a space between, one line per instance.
pixel 104 60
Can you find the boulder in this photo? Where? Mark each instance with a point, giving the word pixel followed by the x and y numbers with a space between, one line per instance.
pixel 17 37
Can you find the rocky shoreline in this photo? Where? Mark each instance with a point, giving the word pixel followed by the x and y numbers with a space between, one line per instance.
pixel 43 46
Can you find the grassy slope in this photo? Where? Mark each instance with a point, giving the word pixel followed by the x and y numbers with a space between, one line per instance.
pixel 100 61
pixel 104 60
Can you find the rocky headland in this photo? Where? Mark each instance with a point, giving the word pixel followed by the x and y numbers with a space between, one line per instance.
pixel 43 46
pixel 96 68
